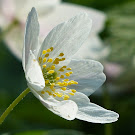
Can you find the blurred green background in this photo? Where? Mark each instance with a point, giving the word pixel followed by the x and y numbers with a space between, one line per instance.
pixel 30 114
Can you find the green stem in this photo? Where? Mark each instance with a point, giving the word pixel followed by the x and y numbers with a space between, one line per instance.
pixel 14 103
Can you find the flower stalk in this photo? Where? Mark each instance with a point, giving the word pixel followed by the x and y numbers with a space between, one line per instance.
pixel 14 103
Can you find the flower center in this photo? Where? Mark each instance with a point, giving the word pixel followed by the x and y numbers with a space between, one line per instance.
pixel 56 77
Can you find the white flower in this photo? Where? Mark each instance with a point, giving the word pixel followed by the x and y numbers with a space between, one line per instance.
pixel 61 83
pixel 50 14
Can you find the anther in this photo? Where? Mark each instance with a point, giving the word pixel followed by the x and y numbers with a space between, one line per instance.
pixel 66 97
pixel 44 52
pixel 69 83
pixel 65 83
pixel 44 65
pixel 44 60
pixel 73 90
pixel 71 72
pixel 63 88
pixel 66 80
pixel 61 54
pixel 59 94
pixel 46 55
pixel 67 74
pixel 61 69
pixel 42 92
pixel 50 72
pixel 47 81
pixel 72 94
pixel 52 67
pixel 48 50
pixel 62 76
pixel 75 82
pixel 63 59
pixel 50 60
pixel 68 68
pixel 57 78
pixel 64 66
pixel 51 48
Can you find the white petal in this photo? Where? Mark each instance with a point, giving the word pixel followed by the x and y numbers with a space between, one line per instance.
pixel 68 36
pixel 34 74
pixel 31 37
pixel 66 109
pixel 89 75
pixel 91 112
pixel 70 10
pixel 93 48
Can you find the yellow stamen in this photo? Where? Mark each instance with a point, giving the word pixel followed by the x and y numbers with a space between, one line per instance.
pixel 58 83
pixel 61 54
pixel 64 66
pixel 72 94
pixel 66 80
pixel 53 90
pixel 61 84
pixel 54 95
pixel 75 82
pixel 71 72
pixel 61 69
pixel 57 78
pixel 69 83
pixel 63 59
pixel 46 55
pixel 44 52
pixel 47 81
pixel 50 71
pixel 59 94
pixel 62 76
pixel 63 88
pixel 52 85
pixel 51 48
pixel 40 59
pixel 49 92
pixel 65 83
pixel 73 90
pixel 68 68
pixel 44 60
pixel 48 50
pixel 44 65
pixel 52 67
pixel 42 92
pixel 50 60
pixel 67 74
pixel 66 97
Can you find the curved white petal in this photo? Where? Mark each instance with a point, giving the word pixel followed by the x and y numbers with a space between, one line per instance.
pixel 57 16
pixel 34 74
pixel 31 37
pixel 90 112
pixel 93 48
pixel 66 109
pixel 54 17
pixel 89 75
pixel 68 36
pixel 93 113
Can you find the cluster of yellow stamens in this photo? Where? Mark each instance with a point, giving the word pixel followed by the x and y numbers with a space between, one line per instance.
pixel 56 85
